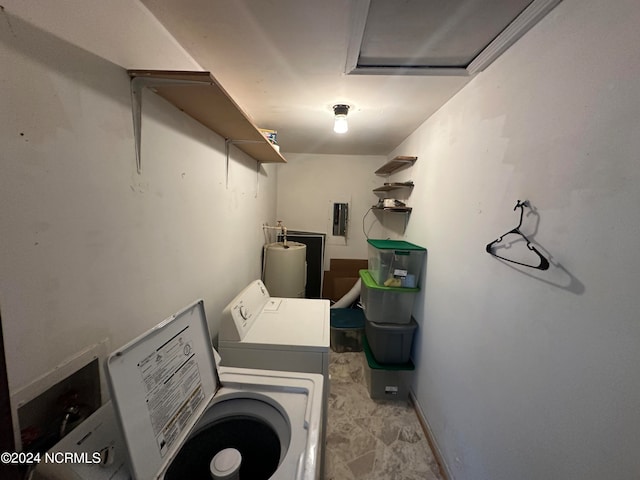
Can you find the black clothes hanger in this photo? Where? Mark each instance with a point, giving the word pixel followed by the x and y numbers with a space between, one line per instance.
pixel 544 263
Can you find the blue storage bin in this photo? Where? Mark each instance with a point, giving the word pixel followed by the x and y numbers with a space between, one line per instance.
pixel 347 329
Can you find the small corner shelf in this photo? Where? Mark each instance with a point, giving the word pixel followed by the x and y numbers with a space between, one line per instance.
pixel 393 209
pixel 388 187
pixel 199 95
pixel 395 165
pixel 392 166
pixel 406 211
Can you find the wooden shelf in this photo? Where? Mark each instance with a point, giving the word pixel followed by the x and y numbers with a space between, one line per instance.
pixel 199 95
pixel 387 187
pixel 396 164
pixel 393 209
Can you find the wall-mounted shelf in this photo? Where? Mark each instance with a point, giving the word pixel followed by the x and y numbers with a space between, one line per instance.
pixel 396 164
pixel 388 187
pixel 393 209
pixel 392 166
pixel 200 96
pixel 406 211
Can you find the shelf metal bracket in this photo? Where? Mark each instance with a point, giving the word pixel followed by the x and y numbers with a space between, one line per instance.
pixel 406 220
pixel 406 212
pixel 227 143
pixel 137 85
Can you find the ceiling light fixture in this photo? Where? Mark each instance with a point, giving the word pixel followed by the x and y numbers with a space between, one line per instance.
pixel 340 111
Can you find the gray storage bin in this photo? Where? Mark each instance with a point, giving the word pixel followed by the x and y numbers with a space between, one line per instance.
pixel 391 342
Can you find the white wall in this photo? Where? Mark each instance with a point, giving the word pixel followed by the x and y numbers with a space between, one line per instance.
pixel 521 374
pixel 90 249
pixel 524 374
pixel 308 185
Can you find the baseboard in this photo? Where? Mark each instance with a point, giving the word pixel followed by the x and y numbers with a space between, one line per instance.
pixel 444 469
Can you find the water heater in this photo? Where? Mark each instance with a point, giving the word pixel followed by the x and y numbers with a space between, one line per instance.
pixel 285 269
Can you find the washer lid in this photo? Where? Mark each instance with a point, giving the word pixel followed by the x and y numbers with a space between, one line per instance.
pixel 161 383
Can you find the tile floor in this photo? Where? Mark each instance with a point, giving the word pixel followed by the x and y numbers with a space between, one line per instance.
pixel 371 439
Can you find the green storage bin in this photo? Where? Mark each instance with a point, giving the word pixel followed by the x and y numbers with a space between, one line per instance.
pixel 386 382
pixel 395 262
pixel 386 304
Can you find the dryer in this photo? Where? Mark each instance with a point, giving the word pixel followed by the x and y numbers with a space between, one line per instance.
pixel 180 418
pixel 273 333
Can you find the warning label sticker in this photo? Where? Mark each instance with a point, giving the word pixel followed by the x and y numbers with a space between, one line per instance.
pixel 173 387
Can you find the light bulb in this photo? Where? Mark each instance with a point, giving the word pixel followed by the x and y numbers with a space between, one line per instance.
pixel 340 125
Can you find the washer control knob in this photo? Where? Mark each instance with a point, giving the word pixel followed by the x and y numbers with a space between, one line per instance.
pixel 244 313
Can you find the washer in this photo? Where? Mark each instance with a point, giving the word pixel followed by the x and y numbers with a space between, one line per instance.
pixel 176 413
pixel 273 419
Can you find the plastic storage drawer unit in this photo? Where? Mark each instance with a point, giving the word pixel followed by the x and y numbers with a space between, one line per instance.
pixel 386 382
pixel 347 329
pixel 391 342
pixel 386 304
pixel 395 263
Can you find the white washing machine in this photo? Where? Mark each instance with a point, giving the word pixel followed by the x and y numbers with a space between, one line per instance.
pixel 181 418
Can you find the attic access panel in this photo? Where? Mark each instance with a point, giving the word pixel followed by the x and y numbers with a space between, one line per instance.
pixel 436 37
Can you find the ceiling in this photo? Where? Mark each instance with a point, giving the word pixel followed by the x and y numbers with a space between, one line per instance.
pixel 287 62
